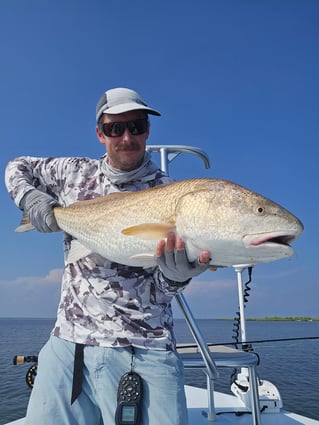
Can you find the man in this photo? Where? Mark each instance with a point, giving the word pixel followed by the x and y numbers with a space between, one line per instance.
pixel 112 319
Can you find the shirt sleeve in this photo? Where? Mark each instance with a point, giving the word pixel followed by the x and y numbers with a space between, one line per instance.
pixel 48 175
pixel 168 287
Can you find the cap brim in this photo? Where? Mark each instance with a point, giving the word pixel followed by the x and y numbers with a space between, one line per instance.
pixel 127 107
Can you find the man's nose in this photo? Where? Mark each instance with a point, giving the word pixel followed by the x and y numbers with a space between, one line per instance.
pixel 127 136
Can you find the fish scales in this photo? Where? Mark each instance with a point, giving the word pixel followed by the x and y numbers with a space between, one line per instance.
pixel 237 225
pixel 112 213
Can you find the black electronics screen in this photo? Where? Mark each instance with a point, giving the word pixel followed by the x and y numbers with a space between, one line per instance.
pixel 128 414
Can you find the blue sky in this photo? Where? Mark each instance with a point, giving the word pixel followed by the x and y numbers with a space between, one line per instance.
pixel 238 79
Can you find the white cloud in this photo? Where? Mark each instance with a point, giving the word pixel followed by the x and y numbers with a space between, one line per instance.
pixel 52 277
pixel 31 296
pixel 211 295
pixel 204 286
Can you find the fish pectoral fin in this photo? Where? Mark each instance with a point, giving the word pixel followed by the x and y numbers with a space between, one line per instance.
pixel 149 231
pixel 145 259
pixel 213 268
pixel 77 251
pixel 25 225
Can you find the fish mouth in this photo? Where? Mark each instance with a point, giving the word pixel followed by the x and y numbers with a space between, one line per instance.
pixel 269 239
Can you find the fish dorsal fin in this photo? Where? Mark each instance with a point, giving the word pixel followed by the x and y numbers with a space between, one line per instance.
pixel 149 231
pixel 118 194
pixel 109 197
pixel 77 251
pixel 99 200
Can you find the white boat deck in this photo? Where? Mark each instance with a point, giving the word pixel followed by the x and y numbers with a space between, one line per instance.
pixel 229 410
pixel 225 404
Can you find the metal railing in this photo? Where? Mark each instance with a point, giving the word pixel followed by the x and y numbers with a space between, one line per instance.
pixel 167 154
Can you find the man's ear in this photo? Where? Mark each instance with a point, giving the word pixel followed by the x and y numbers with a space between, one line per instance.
pixel 100 135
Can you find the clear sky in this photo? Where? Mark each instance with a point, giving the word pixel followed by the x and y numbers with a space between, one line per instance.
pixel 236 78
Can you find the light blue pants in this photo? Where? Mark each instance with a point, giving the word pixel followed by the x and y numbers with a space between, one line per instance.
pixel 50 402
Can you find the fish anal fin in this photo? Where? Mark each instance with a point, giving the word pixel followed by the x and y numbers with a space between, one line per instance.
pixel 77 251
pixel 149 231
pixel 145 260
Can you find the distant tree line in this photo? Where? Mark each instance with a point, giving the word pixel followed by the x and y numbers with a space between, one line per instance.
pixel 288 318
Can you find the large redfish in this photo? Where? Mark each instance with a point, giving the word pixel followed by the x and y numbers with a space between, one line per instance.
pixel 237 225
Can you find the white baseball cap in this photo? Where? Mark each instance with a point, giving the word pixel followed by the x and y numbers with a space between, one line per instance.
pixel 120 100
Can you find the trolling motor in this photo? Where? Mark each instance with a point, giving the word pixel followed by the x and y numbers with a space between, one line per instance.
pixel 32 371
pixel 269 397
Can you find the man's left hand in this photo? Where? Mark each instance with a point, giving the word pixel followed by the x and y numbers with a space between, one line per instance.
pixel 172 259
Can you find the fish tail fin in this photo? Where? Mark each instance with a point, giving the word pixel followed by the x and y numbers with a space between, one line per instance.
pixel 25 225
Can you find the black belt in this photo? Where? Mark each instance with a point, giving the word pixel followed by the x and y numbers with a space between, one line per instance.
pixel 77 371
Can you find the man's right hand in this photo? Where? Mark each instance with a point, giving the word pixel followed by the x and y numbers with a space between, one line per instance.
pixel 39 207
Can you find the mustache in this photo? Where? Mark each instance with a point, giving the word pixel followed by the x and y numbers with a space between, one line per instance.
pixel 128 147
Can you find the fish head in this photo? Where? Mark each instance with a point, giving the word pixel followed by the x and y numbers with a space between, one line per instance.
pixel 270 230
pixel 237 225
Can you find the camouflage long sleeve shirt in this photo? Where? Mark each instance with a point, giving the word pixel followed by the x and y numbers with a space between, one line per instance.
pixel 102 303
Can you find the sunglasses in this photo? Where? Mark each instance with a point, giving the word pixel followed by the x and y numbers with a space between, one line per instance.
pixel 117 129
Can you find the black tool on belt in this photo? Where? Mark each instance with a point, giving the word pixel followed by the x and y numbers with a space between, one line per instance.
pixel 129 397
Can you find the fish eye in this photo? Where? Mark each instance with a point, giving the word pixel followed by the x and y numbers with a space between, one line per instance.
pixel 261 211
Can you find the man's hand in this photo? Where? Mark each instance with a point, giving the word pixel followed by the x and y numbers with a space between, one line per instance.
pixel 171 257
pixel 39 207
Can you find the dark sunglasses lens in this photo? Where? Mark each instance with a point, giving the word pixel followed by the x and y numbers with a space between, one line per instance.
pixel 137 126
pixel 116 129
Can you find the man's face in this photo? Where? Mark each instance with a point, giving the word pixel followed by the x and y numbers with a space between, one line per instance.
pixel 124 152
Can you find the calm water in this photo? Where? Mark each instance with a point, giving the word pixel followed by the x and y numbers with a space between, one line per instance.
pixel 292 366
